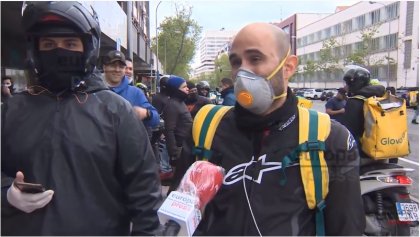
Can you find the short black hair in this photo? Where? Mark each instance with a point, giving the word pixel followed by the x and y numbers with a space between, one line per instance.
pixel 227 81
pixel 3 78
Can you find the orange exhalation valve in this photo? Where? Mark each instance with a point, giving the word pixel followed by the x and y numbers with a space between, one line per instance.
pixel 245 98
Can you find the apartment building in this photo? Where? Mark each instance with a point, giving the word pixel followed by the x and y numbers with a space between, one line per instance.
pixel 210 45
pixel 297 21
pixel 124 26
pixel 395 36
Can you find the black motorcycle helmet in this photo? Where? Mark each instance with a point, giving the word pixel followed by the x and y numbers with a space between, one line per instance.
pixel 61 18
pixel 163 84
pixel 356 78
pixel 203 85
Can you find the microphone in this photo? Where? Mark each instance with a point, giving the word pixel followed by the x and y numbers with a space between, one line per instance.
pixel 181 211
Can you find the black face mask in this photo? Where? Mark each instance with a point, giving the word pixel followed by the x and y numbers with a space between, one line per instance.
pixel 61 69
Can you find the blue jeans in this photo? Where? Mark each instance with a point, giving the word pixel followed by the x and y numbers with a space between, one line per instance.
pixel 165 167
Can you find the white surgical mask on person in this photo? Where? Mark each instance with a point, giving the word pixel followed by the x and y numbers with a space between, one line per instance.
pixel 255 93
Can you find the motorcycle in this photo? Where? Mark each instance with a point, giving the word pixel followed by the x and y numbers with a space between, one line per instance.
pixel 389 209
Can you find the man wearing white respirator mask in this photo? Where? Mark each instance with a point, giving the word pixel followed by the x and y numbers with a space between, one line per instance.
pixel 265 189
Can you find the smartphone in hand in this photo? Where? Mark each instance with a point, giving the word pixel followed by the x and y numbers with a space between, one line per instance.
pixel 29 187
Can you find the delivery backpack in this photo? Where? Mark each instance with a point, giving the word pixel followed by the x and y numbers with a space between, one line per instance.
pixel 314 128
pixel 385 129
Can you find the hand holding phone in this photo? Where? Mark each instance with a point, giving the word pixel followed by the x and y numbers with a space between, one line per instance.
pixel 27 197
pixel 29 187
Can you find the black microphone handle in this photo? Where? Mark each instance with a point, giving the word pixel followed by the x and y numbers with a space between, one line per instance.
pixel 171 228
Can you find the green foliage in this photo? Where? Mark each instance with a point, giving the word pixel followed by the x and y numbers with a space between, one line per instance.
pixel 222 68
pixel 177 38
pixel 363 54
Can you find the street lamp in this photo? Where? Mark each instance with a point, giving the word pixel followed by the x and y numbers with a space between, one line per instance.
pixel 389 43
pixel 157 50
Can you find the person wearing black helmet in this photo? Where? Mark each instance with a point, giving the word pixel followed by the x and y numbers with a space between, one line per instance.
pixel 357 81
pixel 73 136
pixel 160 101
pixel 203 88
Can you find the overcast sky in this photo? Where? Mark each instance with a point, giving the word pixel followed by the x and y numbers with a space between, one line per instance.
pixel 234 14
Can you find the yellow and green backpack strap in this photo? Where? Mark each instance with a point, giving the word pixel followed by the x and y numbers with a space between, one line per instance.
pixel 314 128
pixel 204 127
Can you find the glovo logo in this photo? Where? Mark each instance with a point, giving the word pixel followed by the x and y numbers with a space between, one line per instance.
pixel 386 141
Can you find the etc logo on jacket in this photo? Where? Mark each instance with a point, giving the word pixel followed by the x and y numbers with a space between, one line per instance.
pixel 237 172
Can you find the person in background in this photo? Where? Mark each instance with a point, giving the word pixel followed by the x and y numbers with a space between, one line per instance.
pixel 415 119
pixel 203 88
pixel 253 139
pixel 160 101
pixel 178 128
pixel 335 106
pixel 7 88
pixel 82 142
pixel 129 71
pixel 357 81
pixel 227 92
pixel 195 101
pixel 114 70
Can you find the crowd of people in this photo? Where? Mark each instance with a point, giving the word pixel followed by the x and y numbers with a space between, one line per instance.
pixel 101 147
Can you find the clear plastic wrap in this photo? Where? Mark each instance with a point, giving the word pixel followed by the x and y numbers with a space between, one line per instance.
pixel 202 180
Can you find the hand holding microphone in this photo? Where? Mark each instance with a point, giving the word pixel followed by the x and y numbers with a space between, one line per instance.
pixel 182 209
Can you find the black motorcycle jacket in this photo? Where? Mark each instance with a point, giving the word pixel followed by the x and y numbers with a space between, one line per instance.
pixel 92 150
pixel 250 148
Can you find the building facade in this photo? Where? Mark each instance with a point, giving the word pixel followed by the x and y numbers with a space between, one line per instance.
pixel 210 45
pixel 297 21
pixel 387 31
pixel 124 26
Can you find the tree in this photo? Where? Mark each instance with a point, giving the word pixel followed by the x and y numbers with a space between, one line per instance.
pixel 177 38
pixel 363 55
pixel 309 69
pixel 328 62
pixel 222 68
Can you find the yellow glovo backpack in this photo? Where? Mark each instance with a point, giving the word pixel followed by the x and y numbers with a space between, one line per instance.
pixel 314 128
pixel 385 129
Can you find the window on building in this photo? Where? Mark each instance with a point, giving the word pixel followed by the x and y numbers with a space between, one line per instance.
pixel 337 52
pixel 327 33
pixel 390 41
pixel 347 50
pixel 375 16
pixel 409 18
pixel 360 22
pixel 392 10
pixel 311 38
pixel 319 35
pixel 358 46
pixel 337 29
pixel 348 26
pixel 305 40
pixel 374 44
pixel 407 54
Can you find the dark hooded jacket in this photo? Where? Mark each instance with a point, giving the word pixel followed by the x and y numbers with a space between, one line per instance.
pixel 252 162
pixel 228 96
pixel 353 118
pixel 92 150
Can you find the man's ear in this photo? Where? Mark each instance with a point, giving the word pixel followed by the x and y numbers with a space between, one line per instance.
pixel 290 66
